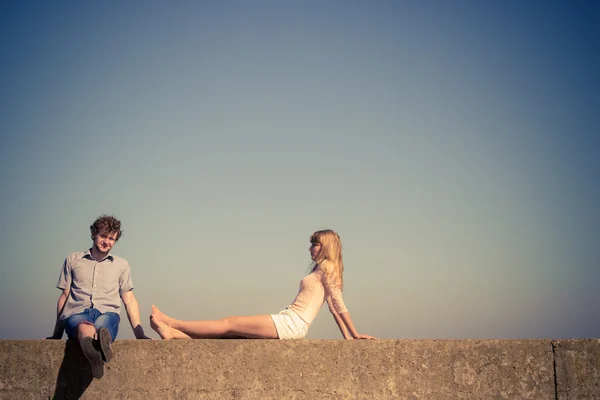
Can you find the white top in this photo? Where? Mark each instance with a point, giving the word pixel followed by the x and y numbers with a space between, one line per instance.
pixel 315 289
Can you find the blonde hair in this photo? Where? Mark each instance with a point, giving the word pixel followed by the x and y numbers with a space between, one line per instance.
pixel 331 251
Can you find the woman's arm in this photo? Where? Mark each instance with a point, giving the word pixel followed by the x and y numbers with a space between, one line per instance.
pixel 338 320
pixel 345 317
pixel 342 316
pixel 333 293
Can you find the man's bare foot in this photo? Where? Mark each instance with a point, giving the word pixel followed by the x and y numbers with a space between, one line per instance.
pixel 162 316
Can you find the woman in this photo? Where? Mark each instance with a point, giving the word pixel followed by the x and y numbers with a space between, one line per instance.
pixel 324 283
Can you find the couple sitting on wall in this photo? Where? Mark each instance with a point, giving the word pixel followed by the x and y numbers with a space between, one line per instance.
pixel 94 282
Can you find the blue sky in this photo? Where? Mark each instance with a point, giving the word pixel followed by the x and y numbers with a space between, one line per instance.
pixel 453 145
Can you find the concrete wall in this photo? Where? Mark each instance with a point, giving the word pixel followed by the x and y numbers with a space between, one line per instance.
pixel 307 369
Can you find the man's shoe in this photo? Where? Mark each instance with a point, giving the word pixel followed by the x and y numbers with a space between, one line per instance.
pixel 94 357
pixel 105 340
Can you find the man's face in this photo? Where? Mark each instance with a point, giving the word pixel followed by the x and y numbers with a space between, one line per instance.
pixel 104 241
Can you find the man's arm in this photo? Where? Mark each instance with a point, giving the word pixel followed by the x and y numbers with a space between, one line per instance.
pixel 133 314
pixel 60 305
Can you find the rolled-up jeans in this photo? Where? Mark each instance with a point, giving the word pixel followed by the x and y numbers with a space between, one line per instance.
pixel 91 316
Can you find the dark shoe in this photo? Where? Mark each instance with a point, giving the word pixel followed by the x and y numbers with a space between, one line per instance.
pixel 105 340
pixel 94 357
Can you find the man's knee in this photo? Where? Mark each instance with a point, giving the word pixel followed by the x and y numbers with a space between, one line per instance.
pixel 109 321
pixel 85 326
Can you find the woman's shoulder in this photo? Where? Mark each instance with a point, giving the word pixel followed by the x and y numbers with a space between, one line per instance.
pixel 329 273
pixel 325 266
pixel 327 270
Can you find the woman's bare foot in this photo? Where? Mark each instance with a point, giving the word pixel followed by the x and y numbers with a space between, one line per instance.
pixel 162 316
pixel 161 328
pixel 164 330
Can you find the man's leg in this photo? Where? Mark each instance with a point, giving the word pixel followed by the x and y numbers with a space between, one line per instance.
pixel 81 328
pixel 107 325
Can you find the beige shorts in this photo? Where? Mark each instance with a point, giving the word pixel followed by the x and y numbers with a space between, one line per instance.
pixel 289 325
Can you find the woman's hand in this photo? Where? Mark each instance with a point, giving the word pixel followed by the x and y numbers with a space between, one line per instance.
pixel 366 337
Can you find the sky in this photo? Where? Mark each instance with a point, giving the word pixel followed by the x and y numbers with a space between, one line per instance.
pixel 454 146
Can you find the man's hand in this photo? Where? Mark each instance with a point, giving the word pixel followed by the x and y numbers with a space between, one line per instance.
pixel 138 331
pixel 144 338
pixel 52 338
pixel 58 332
pixel 58 328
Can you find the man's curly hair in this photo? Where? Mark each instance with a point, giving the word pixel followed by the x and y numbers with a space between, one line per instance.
pixel 106 223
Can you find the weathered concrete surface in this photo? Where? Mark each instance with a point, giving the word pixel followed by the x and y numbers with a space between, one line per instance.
pixel 577 369
pixel 303 369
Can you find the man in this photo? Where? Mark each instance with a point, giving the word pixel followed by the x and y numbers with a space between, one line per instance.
pixel 93 283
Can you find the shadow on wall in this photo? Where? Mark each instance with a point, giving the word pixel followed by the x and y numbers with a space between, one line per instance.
pixel 75 374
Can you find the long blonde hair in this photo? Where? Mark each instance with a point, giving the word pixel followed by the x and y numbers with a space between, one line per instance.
pixel 331 251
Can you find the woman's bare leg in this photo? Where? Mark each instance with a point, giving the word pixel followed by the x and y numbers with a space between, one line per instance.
pixel 254 327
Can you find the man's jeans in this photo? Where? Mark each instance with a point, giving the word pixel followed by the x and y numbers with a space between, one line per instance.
pixel 91 316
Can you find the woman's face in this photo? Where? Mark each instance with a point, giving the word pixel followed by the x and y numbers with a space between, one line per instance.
pixel 314 251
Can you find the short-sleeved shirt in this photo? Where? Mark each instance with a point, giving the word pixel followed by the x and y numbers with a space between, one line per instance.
pixel 94 283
